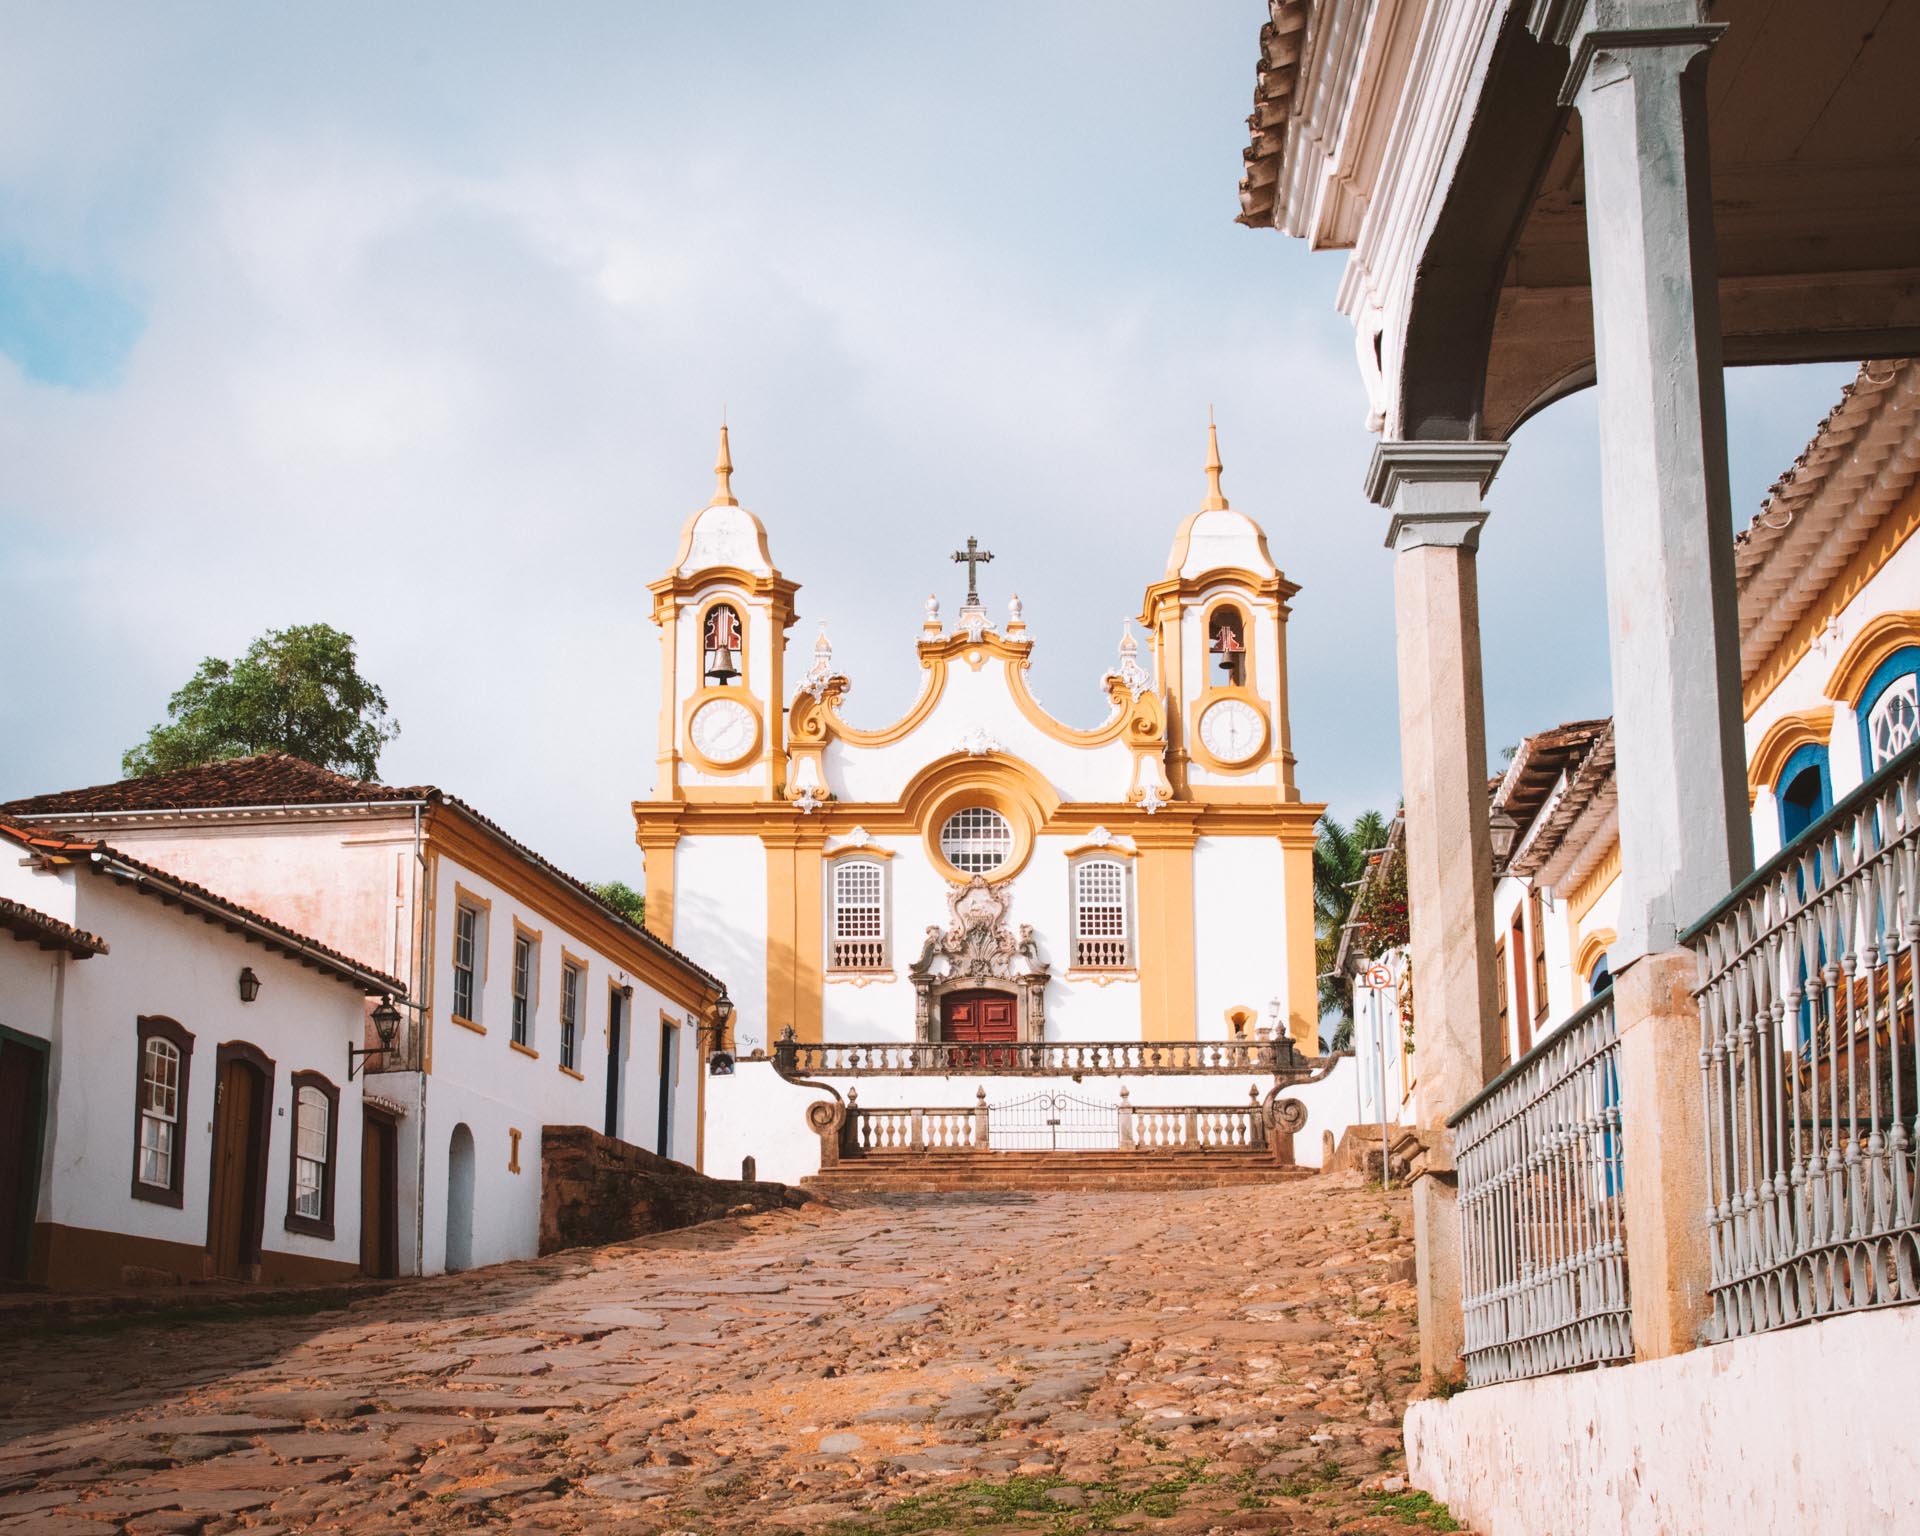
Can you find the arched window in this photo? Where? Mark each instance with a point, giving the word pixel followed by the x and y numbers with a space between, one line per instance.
pixel 1600 976
pixel 859 916
pixel 1804 791
pixel 315 1137
pixel 1227 644
pixel 160 1111
pixel 721 644
pixel 1889 709
pixel 1101 930
pixel 976 840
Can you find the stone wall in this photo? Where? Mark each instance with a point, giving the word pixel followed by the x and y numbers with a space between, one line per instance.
pixel 594 1189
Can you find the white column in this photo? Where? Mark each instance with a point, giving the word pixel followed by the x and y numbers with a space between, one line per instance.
pixel 1684 831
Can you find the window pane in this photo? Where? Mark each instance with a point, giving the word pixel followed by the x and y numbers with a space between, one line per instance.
pixel 1100 914
pixel 976 840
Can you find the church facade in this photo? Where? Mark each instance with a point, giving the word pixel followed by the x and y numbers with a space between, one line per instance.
pixel 977 870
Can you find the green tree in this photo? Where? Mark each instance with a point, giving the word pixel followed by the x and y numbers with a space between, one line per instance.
pixel 296 690
pixel 624 899
pixel 1339 860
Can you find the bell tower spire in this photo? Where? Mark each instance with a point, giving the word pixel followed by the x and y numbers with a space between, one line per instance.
pixel 1216 500
pixel 723 475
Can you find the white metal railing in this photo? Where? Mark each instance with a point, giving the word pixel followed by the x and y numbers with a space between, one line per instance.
pixel 797 1058
pixel 1809 1060
pixel 1053 1121
pixel 1542 1228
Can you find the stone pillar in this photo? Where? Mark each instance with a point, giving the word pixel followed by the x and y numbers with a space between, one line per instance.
pixel 1434 490
pixel 1662 1153
pixel 1686 839
pixel 1685 836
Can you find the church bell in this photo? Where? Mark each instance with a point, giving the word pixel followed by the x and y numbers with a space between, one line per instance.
pixel 721 666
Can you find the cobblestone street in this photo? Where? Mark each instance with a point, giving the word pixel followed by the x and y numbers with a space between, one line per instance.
pixel 1181 1361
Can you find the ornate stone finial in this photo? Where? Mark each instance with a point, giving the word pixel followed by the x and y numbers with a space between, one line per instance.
pixel 1016 613
pixel 980 1095
pixel 821 672
pixel 1216 499
pixel 1130 671
pixel 933 613
pixel 723 475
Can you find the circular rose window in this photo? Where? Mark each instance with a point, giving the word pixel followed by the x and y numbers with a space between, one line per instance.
pixel 976 840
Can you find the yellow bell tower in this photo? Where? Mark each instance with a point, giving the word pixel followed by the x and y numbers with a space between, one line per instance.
pixel 1219 624
pixel 724 612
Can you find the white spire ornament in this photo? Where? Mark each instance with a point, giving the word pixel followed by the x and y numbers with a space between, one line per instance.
pixel 821 672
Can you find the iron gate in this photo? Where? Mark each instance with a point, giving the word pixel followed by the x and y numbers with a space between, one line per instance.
pixel 1053 1122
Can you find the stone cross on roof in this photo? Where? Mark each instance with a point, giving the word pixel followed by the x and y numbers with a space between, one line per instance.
pixel 972 557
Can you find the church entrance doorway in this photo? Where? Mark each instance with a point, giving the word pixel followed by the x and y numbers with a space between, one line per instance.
pixel 980 1018
pixel 236 1203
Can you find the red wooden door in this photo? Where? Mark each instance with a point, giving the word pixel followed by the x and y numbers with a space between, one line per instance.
pixel 979 1018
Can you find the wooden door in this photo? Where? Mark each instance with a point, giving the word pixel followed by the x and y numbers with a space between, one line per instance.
pixel 379 1197
pixel 669 1069
pixel 22 1084
pixel 235 1202
pixel 980 1018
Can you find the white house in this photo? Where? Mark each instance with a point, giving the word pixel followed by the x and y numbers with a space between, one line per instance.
pixel 176 1099
pixel 530 1002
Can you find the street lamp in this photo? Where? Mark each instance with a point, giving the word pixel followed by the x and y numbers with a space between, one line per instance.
pixel 1504 831
pixel 249 984
pixel 719 1059
pixel 386 1025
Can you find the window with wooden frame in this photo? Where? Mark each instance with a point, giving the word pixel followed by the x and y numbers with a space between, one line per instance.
pixel 573 987
pixel 1537 936
pixel 1517 954
pixel 859 931
pixel 316 1141
pixel 165 1052
pixel 469 945
pixel 1102 921
pixel 1500 998
pixel 526 961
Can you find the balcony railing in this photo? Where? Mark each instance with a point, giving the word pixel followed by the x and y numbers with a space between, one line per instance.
pixel 1112 1058
pixel 1809 1063
pixel 1542 1230
pixel 1054 1121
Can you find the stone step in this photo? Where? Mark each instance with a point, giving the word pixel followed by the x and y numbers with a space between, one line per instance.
pixel 977 1172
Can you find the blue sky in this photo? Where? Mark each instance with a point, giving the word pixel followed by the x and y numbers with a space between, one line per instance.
pixel 420 321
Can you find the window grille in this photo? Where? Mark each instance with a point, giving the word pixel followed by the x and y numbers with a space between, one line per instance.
pixel 159 1112
pixel 570 979
pixel 522 990
pixel 310 1154
pixel 1100 916
pixel 466 945
pixel 1893 724
pixel 859 916
pixel 977 840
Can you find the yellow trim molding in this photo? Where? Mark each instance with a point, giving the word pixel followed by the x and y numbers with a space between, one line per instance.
pixel 1592 947
pixel 1017 790
pixel 1879 638
pixel 1786 736
pixel 524 1050
pixel 858 851
pixel 1581 898
pixel 1866 563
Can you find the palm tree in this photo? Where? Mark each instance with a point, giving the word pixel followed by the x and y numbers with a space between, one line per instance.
pixel 1339 860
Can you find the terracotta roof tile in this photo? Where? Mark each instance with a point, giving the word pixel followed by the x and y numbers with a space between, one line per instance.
pixel 30 924
pixel 101 859
pixel 275 779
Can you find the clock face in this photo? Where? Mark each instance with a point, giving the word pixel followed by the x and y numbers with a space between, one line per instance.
pixel 1232 730
pixel 724 730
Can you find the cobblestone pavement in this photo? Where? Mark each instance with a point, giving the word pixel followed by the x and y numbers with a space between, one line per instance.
pixel 1180 1361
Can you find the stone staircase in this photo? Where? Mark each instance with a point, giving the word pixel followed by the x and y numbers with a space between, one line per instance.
pixel 970 1172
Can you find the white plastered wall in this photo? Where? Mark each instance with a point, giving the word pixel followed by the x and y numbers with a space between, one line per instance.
pixel 1239 938
pixel 720 916
pixel 164 961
